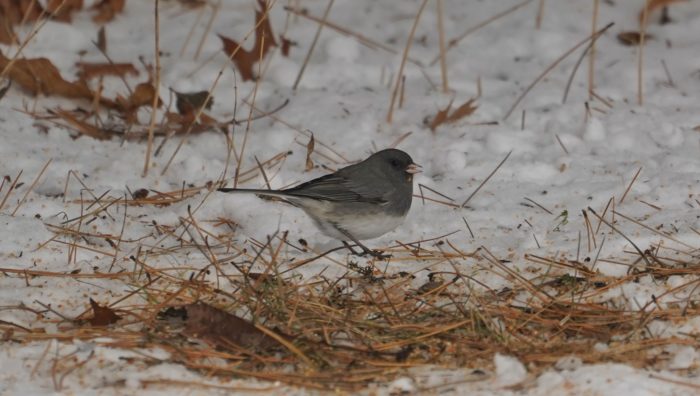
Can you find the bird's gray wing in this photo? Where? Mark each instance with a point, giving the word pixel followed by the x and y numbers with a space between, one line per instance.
pixel 341 187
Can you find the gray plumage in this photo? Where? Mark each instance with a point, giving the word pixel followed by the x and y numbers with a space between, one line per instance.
pixel 360 201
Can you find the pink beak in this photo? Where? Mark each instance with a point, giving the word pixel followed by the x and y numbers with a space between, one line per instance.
pixel 413 169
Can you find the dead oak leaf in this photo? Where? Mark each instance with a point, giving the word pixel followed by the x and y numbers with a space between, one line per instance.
pixel 189 122
pixel 653 5
pixel 4 89
pixel 264 40
pixel 190 114
pixel 287 45
pixel 444 116
pixel 81 126
pixel 440 117
pixel 243 59
pixel 309 150
pixel 632 38
pixel 107 10
pixel 139 194
pixel 102 316
pixel 102 40
pixel 224 330
pixel 40 76
pixel 465 110
pixel 192 102
pixel 6 34
pixel 143 95
pixel 87 70
pixel 14 12
pixel 264 37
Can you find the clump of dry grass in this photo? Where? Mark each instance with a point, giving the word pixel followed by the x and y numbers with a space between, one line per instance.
pixel 260 319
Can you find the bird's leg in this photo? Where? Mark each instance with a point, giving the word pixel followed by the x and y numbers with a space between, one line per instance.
pixel 353 251
pixel 365 250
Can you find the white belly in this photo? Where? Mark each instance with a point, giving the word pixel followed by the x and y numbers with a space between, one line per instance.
pixel 360 227
pixel 359 221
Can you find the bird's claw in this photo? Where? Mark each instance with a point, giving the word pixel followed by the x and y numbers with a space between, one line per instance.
pixel 378 254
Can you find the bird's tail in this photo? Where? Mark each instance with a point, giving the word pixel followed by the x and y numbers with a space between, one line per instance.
pixel 266 193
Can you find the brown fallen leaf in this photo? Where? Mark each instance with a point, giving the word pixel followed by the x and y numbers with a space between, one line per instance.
pixel 264 37
pixel 7 36
pixel 465 110
pixel 14 12
pixel 632 38
pixel 440 117
pixel 87 70
pixel 191 102
pixel 17 11
pixel 189 117
pixel 189 122
pixel 40 76
pixel 286 45
pixel 102 40
pixel 242 59
pixel 222 329
pixel 444 116
pixel 429 286
pixel 107 10
pixel 309 151
pixel 142 95
pixel 102 316
pixel 82 126
pixel 653 5
pixel 264 40
pixel 141 193
pixel 4 89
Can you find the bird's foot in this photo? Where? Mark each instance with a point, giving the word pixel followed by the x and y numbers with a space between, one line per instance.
pixel 378 254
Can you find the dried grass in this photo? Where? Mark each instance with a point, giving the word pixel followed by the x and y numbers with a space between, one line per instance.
pixel 367 325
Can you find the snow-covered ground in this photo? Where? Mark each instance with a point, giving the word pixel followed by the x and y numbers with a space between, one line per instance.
pixel 565 158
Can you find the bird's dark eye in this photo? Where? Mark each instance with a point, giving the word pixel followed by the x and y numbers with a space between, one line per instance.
pixel 395 163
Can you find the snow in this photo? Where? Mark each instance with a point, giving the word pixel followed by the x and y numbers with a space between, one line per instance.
pixel 401 385
pixel 343 99
pixel 683 358
pixel 509 370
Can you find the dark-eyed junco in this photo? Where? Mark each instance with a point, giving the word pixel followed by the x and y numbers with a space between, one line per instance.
pixel 358 202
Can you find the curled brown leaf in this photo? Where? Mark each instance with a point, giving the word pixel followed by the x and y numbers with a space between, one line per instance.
pixel 40 76
pixel 264 40
pixel 87 70
pixel 632 38
pixel 102 315
pixel 653 5
pixel 224 330
pixel 444 116
pixel 309 150
pixel 107 10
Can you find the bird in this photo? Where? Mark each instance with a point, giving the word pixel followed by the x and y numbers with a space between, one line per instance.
pixel 358 202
